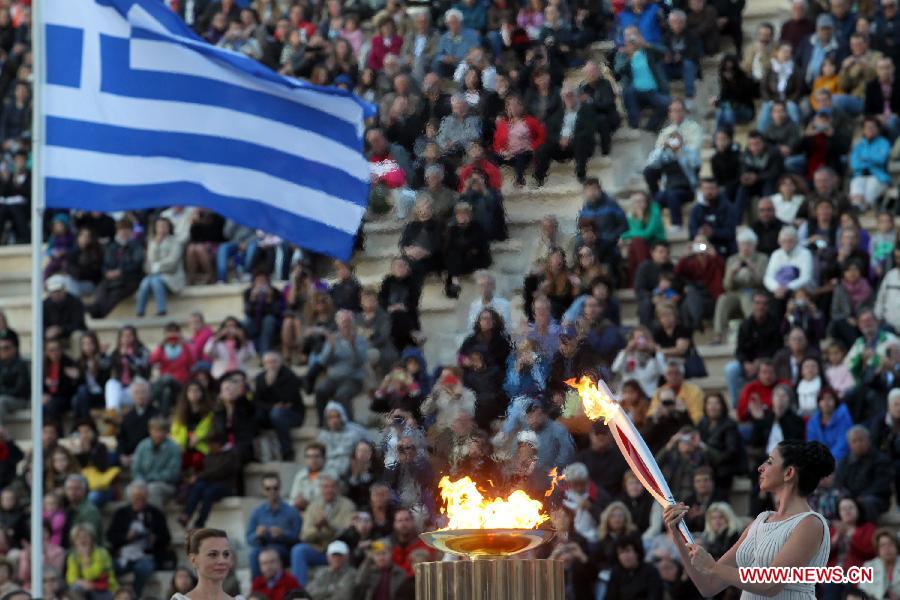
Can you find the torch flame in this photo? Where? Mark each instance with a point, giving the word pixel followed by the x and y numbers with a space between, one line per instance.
pixel 596 398
pixel 555 478
pixel 467 508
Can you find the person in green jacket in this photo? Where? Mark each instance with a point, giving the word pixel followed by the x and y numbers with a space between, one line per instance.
pixel 645 226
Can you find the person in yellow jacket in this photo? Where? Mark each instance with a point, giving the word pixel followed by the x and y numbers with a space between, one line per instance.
pixel 89 567
pixel 192 425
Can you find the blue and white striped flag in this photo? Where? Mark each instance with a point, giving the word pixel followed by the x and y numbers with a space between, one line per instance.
pixel 142 113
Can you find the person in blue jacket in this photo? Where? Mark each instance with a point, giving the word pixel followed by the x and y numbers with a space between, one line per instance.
pixel 644 15
pixel 830 423
pixel 868 163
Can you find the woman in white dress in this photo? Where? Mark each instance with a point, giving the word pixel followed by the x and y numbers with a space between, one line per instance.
pixel 210 554
pixel 792 536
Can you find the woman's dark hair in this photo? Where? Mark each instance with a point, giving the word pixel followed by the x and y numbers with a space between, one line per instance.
pixel 499 325
pixel 861 516
pixel 722 404
pixel 626 541
pixel 183 406
pixel 196 538
pixel 813 461
pixel 181 569
pixel 634 385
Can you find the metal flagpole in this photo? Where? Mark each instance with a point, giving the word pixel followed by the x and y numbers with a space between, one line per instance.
pixel 38 51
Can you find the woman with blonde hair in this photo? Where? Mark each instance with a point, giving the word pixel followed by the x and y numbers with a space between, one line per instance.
pixel 722 529
pixel 209 552
pixel 615 524
pixel 90 574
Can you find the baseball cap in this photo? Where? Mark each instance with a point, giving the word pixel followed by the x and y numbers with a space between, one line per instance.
pixel 55 283
pixel 337 547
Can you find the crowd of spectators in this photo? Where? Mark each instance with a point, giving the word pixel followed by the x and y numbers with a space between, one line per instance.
pixel 801 133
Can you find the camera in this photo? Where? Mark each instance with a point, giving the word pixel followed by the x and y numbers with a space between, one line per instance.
pixel 698 247
pixel 668 402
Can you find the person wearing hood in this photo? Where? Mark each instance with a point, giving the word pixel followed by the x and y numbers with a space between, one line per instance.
pixel 830 424
pixel 713 216
pixel 609 219
pixel 61 309
pixel 813 50
pixel 339 436
pixel 277 392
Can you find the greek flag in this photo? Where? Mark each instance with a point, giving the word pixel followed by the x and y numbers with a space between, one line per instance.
pixel 141 113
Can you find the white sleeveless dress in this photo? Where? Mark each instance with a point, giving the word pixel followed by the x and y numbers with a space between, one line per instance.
pixel 765 540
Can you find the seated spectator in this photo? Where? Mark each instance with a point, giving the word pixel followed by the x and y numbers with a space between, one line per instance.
pixel 683 51
pixel 411 474
pixel 680 459
pixel 703 21
pixel 164 268
pixel 788 200
pixel 809 385
pixel 454 44
pixel 645 227
pixel 323 520
pixel 305 487
pixel 881 244
pixel 642 14
pixel 79 511
pixel 15 379
pixel 421 243
pixel 123 264
pixel 84 264
pixel 237 249
pixel 61 380
pixel 174 360
pixel 743 279
pixel 466 248
pixel 702 271
pixel 53 562
pixel 216 480
pixel 130 359
pixel 374 325
pixel 721 529
pixel 737 91
pixel 666 420
pixel 273 525
pixel 852 541
pixel 851 295
pixel 570 134
pixel 458 129
pixel 615 526
pixel 719 432
pixel 857 70
pixel 881 101
pixel 783 133
pixel 385 42
pixel 788 360
pixel 13 519
pixel 193 425
pixel 759 390
pixel 761 166
pixel 870 349
pixel 726 161
pixel 517 137
pixel 822 145
pixel 685 396
pixel 399 296
pixel 229 348
pixel 675 164
pixel 865 473
pixel 63 312
pixel 704 494
pixel 647 519
pixel 60 464
pixel 235 415
pixel 713 217
pixel 378 572
pixel 273 582
pixel 340 437
pixel 572 550
pixel 638 67
pixel 338 580
pixel 11 455
pixel 343 360
pixel 641 360
pixel 262 309
pixel 487 206
pixel 94 365
pixel 139 537
pixel 885 567
pixel 390 171
pixel 868 163
pixel 90 571
pixel 782 81
pixel 157 463
pixel 200 333
pixel 647 280
pixel 365 469
pixel 769 426
pixel 206 233
pixel 277 393
pixel 133 427
pixel 95 461
pixel 837 373
pixel 790 267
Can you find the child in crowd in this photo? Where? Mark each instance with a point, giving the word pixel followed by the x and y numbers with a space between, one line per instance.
pixel 836 372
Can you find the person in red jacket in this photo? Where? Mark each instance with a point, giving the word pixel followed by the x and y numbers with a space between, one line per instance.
pixel 517 137
pixel 476 160
pixel 405 539
pixel 273 582
pixel 174 356
pixel 851 536
pixel 758 390
pixel 702 272
pixel 386 42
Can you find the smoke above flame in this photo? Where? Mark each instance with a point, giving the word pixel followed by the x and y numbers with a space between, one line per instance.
pixel 596 399
pixel 467 508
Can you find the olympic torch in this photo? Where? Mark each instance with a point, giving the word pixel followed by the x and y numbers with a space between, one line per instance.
pixel 599 403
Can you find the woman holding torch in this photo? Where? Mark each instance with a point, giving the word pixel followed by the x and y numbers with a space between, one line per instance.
pixel 792 536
